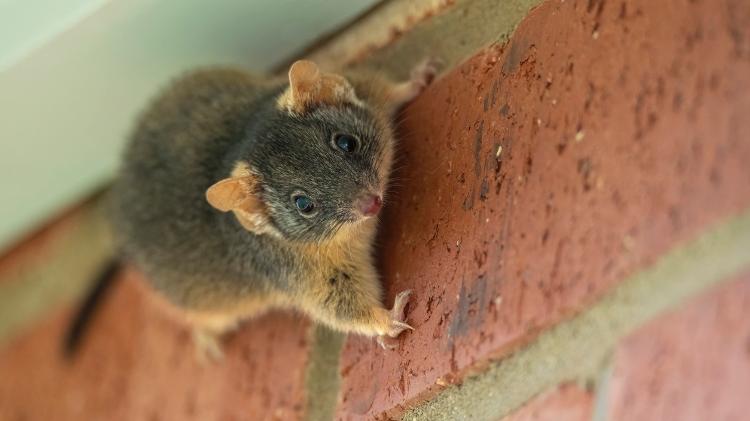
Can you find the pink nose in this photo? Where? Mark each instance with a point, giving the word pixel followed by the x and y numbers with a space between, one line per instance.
pixel 370 205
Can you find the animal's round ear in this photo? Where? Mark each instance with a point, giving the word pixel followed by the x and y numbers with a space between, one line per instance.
pixel 304 76
pixel 229 194
pixel 240 195
pixel 309 87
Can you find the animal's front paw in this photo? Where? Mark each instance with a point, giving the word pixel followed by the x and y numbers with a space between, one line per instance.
pixel 395 322
pixel 424 73
pixel 421 75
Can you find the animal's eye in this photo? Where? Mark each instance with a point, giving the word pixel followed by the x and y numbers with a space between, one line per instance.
pixel 304 204
pixel 345 142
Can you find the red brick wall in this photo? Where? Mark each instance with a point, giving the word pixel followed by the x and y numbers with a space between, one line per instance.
pixel 616 123
pixel 533 179
pixel 691 364
pixel 565 403
pixel 138 365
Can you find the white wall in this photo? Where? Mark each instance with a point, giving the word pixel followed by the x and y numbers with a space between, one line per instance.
pixel 72 79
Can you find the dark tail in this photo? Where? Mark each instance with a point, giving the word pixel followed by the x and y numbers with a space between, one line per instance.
pixel 104 280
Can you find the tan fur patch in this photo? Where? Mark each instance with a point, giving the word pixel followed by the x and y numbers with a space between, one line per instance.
pixel 225 319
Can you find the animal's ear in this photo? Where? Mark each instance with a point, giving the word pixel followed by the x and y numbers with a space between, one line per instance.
pixel 234 193
pixel 239 194
pixel 309 87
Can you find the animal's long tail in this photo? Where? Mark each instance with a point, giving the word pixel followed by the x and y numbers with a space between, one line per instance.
pixel 102 283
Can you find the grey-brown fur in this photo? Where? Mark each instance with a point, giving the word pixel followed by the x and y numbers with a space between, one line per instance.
pixel 193 135
pixel 162 221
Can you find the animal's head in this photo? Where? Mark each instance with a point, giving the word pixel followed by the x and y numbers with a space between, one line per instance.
pixel 316 162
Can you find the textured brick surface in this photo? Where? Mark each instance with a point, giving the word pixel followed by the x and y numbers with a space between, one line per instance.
pixel 623 133
pixel 693 364
pixel 566 403
pixel 531 180
pixel 136 364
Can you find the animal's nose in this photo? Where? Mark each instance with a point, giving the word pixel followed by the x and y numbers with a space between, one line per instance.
pixel 369 204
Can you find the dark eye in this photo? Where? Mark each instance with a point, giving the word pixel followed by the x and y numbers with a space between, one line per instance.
pixel 345 142
pixel 304 204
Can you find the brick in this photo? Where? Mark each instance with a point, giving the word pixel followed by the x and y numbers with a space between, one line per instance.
pixel 691 364
pixel 565 403
pixel 74 244
pixel 619 129
pixel 42 244
pixel 137 363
